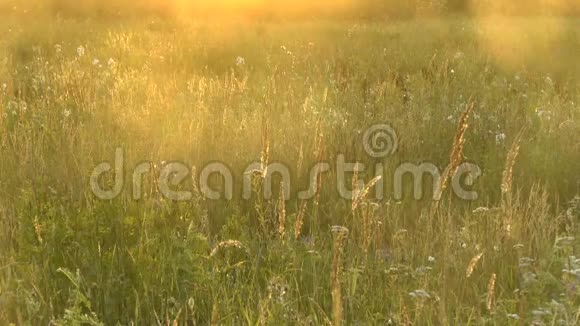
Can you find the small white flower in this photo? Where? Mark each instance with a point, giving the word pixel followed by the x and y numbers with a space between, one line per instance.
pixel 338 229
pixel 480 210
pixel 525 262
pixel 66 113
pixel 392 270
pixel 58 48
pixel 422 270
pixel 420 294
pixel 81 51
pixel 111 62
pixel 452 71
pixel 543 113
pixel 240 61
pixel 96 62
pixel 500 138
pixel 575 272
pixel 513 316
pixel 541 312
pixel 564 241
pixel 431 259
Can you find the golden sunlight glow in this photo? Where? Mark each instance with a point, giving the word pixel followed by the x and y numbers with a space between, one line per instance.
pixel 514 41
pixel 278 8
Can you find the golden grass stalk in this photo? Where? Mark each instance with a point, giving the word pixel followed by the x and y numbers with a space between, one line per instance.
pixel 265 155
pixel 456 155
pixel 281 212
pixel 300 158
pixel 37 229
pixel 214 314
pixel 319 154
pixel 368 216
pixel 490 291
pixel 472 263
pixel 340 235
pixel 361 196
pixel 299 220
pixel 226 244
pixel 355 189
pixel 507 175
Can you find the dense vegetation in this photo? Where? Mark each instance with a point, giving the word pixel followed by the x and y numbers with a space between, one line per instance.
pixel 72 91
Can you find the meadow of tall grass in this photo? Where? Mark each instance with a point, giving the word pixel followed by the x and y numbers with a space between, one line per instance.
pixel 505 98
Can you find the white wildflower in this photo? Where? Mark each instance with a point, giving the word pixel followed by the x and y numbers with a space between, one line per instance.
pixel 111 62
pixel 480 210
pixel 240 61
pixel 574 272
pixel 392 270
pixel 81 51
pixel 66 113
pixel 513 316
pixel 420 294
pixel 564 241
pixel 500 138
pixel 543 114
pixel 518 246
pixel 526 262
pixel 338 229
pixel 96 62
pixel 431 259
pixel 422 270
pixel 541 312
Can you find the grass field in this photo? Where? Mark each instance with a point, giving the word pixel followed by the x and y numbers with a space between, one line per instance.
pixel 73 91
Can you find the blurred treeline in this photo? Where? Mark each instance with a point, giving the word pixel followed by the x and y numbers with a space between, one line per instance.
pixel 288 9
